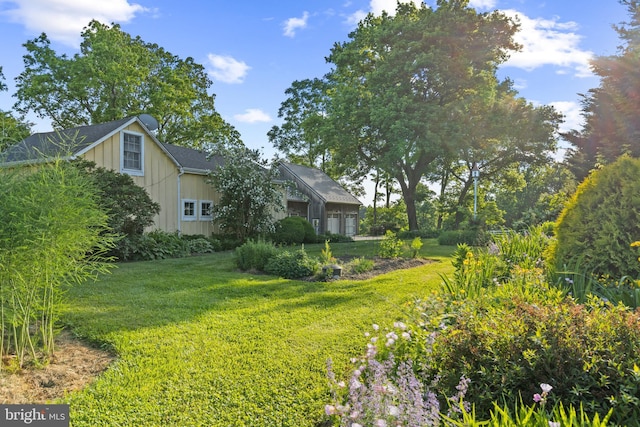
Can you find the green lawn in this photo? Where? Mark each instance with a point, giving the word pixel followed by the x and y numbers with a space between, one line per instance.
pixel 200 344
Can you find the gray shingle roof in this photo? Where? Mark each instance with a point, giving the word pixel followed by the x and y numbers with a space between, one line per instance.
pixel 194 159
pixel 61 143
pixel 321 184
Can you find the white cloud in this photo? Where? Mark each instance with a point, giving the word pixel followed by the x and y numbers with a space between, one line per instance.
pixel 63 20
pixel 549 42
pixel 293 24
pixel 572 111
pixel 227 69
pixel 483 4
pixel 253 115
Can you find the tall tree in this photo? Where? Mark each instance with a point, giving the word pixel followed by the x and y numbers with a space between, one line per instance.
pixel 12 129
pixel 301 136
pixel 400 81
pixel 505 135
pixel 612 125
pixel 115 76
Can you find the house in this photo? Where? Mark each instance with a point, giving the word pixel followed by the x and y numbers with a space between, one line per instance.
pixel 321 200
pixel 173 176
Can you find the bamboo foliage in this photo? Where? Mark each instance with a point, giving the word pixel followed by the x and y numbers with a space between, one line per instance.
pixel 52 235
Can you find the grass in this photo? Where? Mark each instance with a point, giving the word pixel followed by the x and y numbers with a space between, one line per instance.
pixel 201 344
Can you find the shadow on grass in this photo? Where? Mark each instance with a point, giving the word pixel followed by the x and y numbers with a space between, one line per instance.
pixel 158 293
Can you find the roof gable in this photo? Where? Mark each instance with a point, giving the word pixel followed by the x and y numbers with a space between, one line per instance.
pixel 63 143
pixel 321 184
pixel 70 143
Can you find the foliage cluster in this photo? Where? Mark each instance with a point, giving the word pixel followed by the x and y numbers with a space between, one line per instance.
pixel 455 237
pixel 360 265
pixel 53 235
pixel 161 245
pixel 601 221
pixel 292 264
pixel 115 75
pixel 249 196
pixel 254 255
pixel 502 326
pixel 265 256
pixel 390 245
pixel 294 230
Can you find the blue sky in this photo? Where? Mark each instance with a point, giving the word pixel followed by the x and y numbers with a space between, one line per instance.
pixel 253 50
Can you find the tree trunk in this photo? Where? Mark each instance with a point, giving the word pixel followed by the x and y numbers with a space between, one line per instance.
pixel 409 196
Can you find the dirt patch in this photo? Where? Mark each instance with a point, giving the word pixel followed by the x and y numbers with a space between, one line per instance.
pixel 74 365
pixel 381 266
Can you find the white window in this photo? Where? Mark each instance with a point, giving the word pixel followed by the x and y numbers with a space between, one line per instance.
pixel 189 212
pixel 206 210
pixel 333 223
pixel 132 153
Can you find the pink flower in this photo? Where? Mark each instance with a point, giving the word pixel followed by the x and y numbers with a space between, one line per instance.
pixel 537 398
pixel 330 410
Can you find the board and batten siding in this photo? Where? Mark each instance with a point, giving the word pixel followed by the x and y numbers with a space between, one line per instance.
pixel 194 187
pixel 160 178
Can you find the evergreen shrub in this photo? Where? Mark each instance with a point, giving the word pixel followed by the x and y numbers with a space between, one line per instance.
pixel 294 230
pixel 601 221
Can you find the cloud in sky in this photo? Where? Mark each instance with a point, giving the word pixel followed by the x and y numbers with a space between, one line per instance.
pixel 291 25
pixel 572 111
pixel 227 69
pixel 63 20
pixel 483 4
pixel 253 115
pixel 549 42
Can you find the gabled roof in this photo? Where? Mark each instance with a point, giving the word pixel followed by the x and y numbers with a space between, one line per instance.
pixel 63 143
pixel 194 160
pixel 321 184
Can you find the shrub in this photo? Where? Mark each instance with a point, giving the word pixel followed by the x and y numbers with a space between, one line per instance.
pixel 454 237
pixel 334 238
pixel 200 245
pixel 294 230
pixel 361 265
pixel 154 245
pixel 513 338
pixel 390 245
pixel 254 255
pixel 292 265
pixel 600 221
pixel 416 244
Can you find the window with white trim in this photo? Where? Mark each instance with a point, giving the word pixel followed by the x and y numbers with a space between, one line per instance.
pixel 189 212
pixel 132 153
pixel 206 210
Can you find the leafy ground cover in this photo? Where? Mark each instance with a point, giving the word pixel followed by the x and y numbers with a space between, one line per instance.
pixel 199 343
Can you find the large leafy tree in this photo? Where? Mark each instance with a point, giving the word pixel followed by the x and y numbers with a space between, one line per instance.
pixel 116 75
pixel 612 125
pixel 302 136
pixel 400 83
pixel 505 135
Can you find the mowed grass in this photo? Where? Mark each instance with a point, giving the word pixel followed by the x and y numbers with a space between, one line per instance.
pixel 200 344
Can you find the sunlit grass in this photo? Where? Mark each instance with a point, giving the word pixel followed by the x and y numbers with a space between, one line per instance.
pixel 199 343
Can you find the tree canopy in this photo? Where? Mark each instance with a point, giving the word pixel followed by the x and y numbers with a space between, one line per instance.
pixel 116 75
pixel 612 125
pixel 12 128
pixel 413 94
